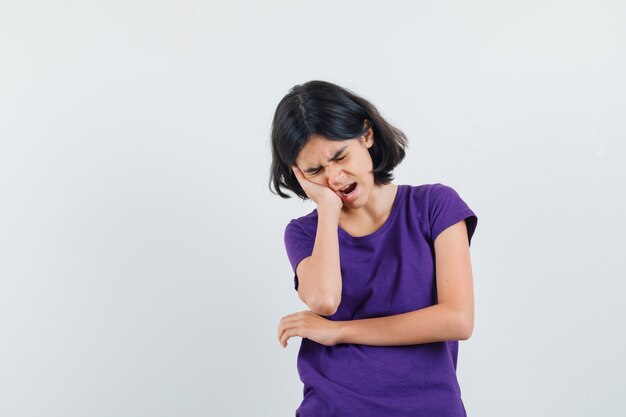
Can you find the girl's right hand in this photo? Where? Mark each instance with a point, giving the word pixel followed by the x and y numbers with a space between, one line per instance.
pixel 321 195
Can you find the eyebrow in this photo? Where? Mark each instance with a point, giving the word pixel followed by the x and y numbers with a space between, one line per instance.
pixel 313 169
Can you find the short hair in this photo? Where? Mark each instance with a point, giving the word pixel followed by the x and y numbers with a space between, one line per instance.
pixel 321 108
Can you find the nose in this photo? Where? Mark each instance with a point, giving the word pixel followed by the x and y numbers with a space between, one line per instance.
pixel 335 176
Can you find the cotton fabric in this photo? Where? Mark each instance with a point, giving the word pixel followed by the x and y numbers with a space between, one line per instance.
pixel 387 272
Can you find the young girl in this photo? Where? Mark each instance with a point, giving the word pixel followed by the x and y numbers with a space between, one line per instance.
pixel 384 269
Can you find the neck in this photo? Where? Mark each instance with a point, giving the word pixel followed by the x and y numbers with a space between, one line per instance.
pixel 378 205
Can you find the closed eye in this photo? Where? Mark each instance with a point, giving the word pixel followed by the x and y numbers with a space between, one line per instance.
pixel 338 159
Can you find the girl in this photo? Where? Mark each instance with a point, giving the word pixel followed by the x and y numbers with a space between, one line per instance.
pixel 384 269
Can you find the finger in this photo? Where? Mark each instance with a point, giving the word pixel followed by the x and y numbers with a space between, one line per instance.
pixel 282 337
pixel 288 334
pixel 282 325
pixel 291 328
pixel 285 324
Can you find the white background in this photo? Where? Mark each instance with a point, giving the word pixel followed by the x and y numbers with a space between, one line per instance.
pixel 142 264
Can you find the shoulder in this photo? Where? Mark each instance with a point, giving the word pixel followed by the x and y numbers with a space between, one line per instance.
pixel 425 190
pixel 439 193
pixel 418 190
pixel 436 204
pixel 415 202
pixel 444 195
pixel 446 207
pixel 440 188
pixel 418 196
pixel 426 194
pixel 306 224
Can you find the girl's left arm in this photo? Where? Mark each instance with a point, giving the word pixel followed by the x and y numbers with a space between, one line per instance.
pixel 452 318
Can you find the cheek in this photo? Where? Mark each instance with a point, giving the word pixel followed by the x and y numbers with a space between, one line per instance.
pixel 363 168
pixel 359 167
pixel 317 180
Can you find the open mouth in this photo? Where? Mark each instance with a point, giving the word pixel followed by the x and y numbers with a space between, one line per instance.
pixel 349 189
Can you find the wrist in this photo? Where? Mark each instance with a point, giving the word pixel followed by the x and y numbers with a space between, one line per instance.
pixel 328 214
pixel 340 331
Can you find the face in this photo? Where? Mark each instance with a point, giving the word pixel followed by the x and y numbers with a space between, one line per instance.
pixel 336 164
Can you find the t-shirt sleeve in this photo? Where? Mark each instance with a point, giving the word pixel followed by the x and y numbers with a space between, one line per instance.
pixel 299 245
pixel 447 208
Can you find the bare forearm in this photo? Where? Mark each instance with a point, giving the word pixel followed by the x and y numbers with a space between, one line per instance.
pixel 324 265
pixel 435 323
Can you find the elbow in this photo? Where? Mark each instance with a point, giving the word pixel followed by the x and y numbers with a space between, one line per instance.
pixel 323 306
pixel 327 308
pixel 465 327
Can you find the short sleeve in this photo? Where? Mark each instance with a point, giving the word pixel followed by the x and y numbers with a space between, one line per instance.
pixel 445 208
pixel 299 245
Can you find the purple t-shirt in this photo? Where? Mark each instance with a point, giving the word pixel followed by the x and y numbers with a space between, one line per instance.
pixel 387 272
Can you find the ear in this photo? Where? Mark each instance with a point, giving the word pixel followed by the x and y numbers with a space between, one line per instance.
pixel 368 138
